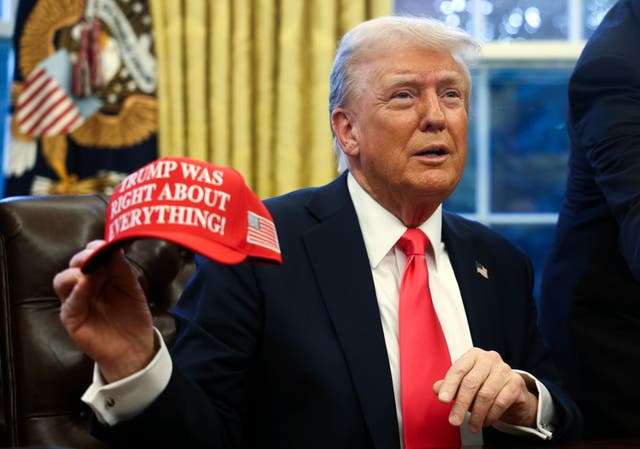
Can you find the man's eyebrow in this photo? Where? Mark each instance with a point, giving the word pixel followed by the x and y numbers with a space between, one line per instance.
pixel 451 77
pixel 402 80
pixel 448 77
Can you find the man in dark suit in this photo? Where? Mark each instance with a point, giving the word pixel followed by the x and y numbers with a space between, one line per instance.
pixel 590 296
pixel 306 354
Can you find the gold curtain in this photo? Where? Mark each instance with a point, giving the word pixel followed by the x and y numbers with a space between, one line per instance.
pixel 245 83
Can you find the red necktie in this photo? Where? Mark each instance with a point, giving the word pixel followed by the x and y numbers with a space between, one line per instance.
pixel 424 355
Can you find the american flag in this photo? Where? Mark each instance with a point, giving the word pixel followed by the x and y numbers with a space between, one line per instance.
pixel 45 107
pixel 262 232
pixel 481 270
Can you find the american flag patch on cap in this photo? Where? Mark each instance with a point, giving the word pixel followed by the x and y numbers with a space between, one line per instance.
pixel 262 232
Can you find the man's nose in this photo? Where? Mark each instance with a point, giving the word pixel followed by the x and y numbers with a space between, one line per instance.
pixel 432 116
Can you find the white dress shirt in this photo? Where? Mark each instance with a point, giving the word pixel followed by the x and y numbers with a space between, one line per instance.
pixel 381 230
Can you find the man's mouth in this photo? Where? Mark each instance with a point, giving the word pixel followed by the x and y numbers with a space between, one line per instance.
pixel 433 151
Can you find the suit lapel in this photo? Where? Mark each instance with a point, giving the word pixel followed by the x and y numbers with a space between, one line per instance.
pixel 478 293
pixel 338 257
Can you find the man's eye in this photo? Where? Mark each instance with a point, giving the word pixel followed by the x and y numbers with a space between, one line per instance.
pixel 402 95
pixel 452 94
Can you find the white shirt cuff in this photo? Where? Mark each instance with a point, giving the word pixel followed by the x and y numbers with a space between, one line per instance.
pixel 128 397
pixel 545 415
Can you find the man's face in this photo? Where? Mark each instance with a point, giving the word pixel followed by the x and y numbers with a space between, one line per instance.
pixel 405 127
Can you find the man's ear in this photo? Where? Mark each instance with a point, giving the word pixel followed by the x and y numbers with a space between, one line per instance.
pixel 342 122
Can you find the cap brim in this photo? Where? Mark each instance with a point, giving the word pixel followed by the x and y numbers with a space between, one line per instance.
pixel 100 256
pixel 205 247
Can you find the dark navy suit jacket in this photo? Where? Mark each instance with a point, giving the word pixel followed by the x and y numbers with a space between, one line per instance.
pixel 293 356
pixel 590 295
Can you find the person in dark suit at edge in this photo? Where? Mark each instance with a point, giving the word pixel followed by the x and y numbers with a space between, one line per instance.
pixel 307 354
pixel 590 293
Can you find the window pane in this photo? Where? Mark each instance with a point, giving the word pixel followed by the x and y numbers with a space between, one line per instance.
pixel 454 12
pixel 529 142
pixel 535 241
pixel 594 11
pixel 525 19
pixel 501 19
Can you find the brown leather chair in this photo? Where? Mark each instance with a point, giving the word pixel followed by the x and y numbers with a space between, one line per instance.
pixel 43 373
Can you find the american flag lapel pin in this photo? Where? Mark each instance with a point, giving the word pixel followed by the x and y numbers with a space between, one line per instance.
pixel 481 270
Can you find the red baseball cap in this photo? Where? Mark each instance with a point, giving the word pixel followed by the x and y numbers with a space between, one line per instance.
pixel 204 207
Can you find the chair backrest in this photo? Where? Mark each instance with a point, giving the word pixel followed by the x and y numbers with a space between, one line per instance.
pixel 43 374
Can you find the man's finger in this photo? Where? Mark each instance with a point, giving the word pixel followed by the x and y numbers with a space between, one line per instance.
pixel 64 282
pixel 506 397
pixel 461 383
pixel 490 395
pixel 77 260
pixel 468 390
pixel 448 389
